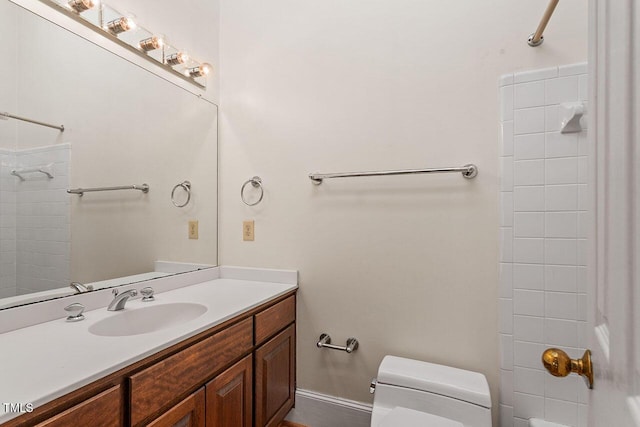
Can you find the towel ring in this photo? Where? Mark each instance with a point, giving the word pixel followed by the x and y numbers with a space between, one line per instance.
pixel 186 186
pixel 256 181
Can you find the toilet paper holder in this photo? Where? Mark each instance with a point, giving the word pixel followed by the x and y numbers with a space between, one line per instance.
pixel 325 342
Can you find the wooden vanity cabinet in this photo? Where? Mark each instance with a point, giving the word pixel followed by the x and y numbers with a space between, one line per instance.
pixel 275 378
pixel 238 374
pixel 188 413
pixel 230 396
pixel 225 401
pixel 157 386
pixel 102 410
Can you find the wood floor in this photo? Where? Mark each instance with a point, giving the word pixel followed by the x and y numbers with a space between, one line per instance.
pixel 290 424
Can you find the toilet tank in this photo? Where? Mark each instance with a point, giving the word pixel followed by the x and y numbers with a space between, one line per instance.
pixel 440 390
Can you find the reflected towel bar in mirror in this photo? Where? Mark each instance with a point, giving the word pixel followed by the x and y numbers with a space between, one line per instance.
pixel 468 171
pixel 80 191
pixel 45 170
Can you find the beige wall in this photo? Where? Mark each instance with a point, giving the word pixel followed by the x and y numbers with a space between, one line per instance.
pixel 405 264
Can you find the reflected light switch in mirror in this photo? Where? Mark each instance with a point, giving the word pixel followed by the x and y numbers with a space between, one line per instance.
pixel 193 230
pixel 247 231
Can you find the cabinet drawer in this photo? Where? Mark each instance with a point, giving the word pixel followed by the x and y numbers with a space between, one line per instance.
pixel 274 319
pixel 103 410
pixel 159 385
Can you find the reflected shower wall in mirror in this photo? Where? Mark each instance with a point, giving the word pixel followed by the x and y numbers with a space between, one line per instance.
pixel 123 126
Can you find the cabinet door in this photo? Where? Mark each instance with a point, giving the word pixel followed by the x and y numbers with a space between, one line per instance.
pixel 188 413
pixel 229 396
pixel 275 378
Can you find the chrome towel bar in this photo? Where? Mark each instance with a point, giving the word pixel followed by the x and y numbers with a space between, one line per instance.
pixel 11 116
pixel 468 171
pixel 325 342
pixel 80 191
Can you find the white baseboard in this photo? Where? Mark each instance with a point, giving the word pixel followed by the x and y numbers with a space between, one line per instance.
pixel 320 410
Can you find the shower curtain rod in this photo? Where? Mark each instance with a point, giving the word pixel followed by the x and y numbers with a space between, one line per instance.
pixel 537 38
pixel 24 119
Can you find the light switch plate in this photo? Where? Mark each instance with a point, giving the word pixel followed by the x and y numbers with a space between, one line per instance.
pixel 248 231
pixel 193 230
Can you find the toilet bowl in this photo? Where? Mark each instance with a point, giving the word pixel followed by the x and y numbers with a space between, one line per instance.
pixel 412 393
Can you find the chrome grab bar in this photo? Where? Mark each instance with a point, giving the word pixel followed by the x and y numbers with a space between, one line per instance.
pixel 80 191
pixel 468 171
pixel 325 342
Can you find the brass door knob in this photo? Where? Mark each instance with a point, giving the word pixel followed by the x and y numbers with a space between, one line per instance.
pixel 559 364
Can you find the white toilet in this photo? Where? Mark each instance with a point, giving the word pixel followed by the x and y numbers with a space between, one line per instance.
pixel 411 393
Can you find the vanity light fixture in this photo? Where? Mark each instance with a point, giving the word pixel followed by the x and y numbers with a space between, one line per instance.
pixel 80 6
pixel 120 25
pixel 151 43
pixel 199 71
pixel 177 58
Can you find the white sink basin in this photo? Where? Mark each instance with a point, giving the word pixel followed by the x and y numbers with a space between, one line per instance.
pixel 139 321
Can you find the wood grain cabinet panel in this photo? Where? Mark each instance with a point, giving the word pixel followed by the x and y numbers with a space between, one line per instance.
pixel 103 410
pixel 275 379
pixel 273 319
pixel 188 413
pixel 229 396
pixel 158 386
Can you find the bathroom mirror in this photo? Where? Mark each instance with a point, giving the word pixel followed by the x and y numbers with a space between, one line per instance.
pixel 123 126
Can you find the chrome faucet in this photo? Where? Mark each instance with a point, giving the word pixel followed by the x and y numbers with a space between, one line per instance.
pixel 120 299
pixel 80 288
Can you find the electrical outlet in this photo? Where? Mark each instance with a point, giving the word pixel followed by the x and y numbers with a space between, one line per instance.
pixel 193 230
pixel 248 230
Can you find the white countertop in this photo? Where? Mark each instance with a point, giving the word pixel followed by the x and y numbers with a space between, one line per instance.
pixel 43 362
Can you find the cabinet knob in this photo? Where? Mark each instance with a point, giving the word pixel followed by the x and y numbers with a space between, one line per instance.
pixel 559 364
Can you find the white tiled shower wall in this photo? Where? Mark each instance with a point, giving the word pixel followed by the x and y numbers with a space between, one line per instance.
pixel 7 225
pixel 542 245
pixel 34 222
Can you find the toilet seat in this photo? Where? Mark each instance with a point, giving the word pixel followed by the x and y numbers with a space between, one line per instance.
pixel 403 417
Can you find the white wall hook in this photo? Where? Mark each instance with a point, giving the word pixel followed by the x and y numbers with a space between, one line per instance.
pixel 570 115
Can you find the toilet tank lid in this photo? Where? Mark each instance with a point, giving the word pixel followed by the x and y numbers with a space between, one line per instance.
pixel 456 383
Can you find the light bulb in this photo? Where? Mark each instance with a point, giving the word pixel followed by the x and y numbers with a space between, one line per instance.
pixel 151 43
pixel 120 25
pixel 200 71
pixel 80 6
pixel 177 58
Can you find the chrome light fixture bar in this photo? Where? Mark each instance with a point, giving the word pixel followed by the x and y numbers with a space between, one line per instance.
pixel 123 30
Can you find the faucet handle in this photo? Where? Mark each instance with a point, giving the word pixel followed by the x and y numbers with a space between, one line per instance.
pixel 80 288
pixel 75 311
pixel 147 294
